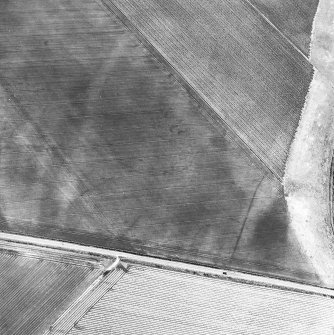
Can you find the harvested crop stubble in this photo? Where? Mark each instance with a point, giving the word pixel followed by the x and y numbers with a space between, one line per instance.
pixel 249 74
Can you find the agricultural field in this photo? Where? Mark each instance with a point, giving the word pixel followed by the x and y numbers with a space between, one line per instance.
pixel 102 144
pixel 147 300
pixel 242 67
pixel 38 285
pixel 293 18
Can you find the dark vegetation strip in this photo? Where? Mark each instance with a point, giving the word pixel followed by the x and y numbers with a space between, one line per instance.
pixel 331 192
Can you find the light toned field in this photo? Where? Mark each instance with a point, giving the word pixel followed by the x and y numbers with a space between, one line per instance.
pixel 293 18
pixel 149 301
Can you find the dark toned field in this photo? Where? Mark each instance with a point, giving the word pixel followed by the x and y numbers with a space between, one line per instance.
pixel 37 286
pixel 100 144
pixel 293 18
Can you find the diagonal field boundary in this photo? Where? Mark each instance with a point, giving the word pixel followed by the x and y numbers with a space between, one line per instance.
pixel 252 77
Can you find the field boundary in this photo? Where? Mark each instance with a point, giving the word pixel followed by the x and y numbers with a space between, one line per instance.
pixel 223 274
